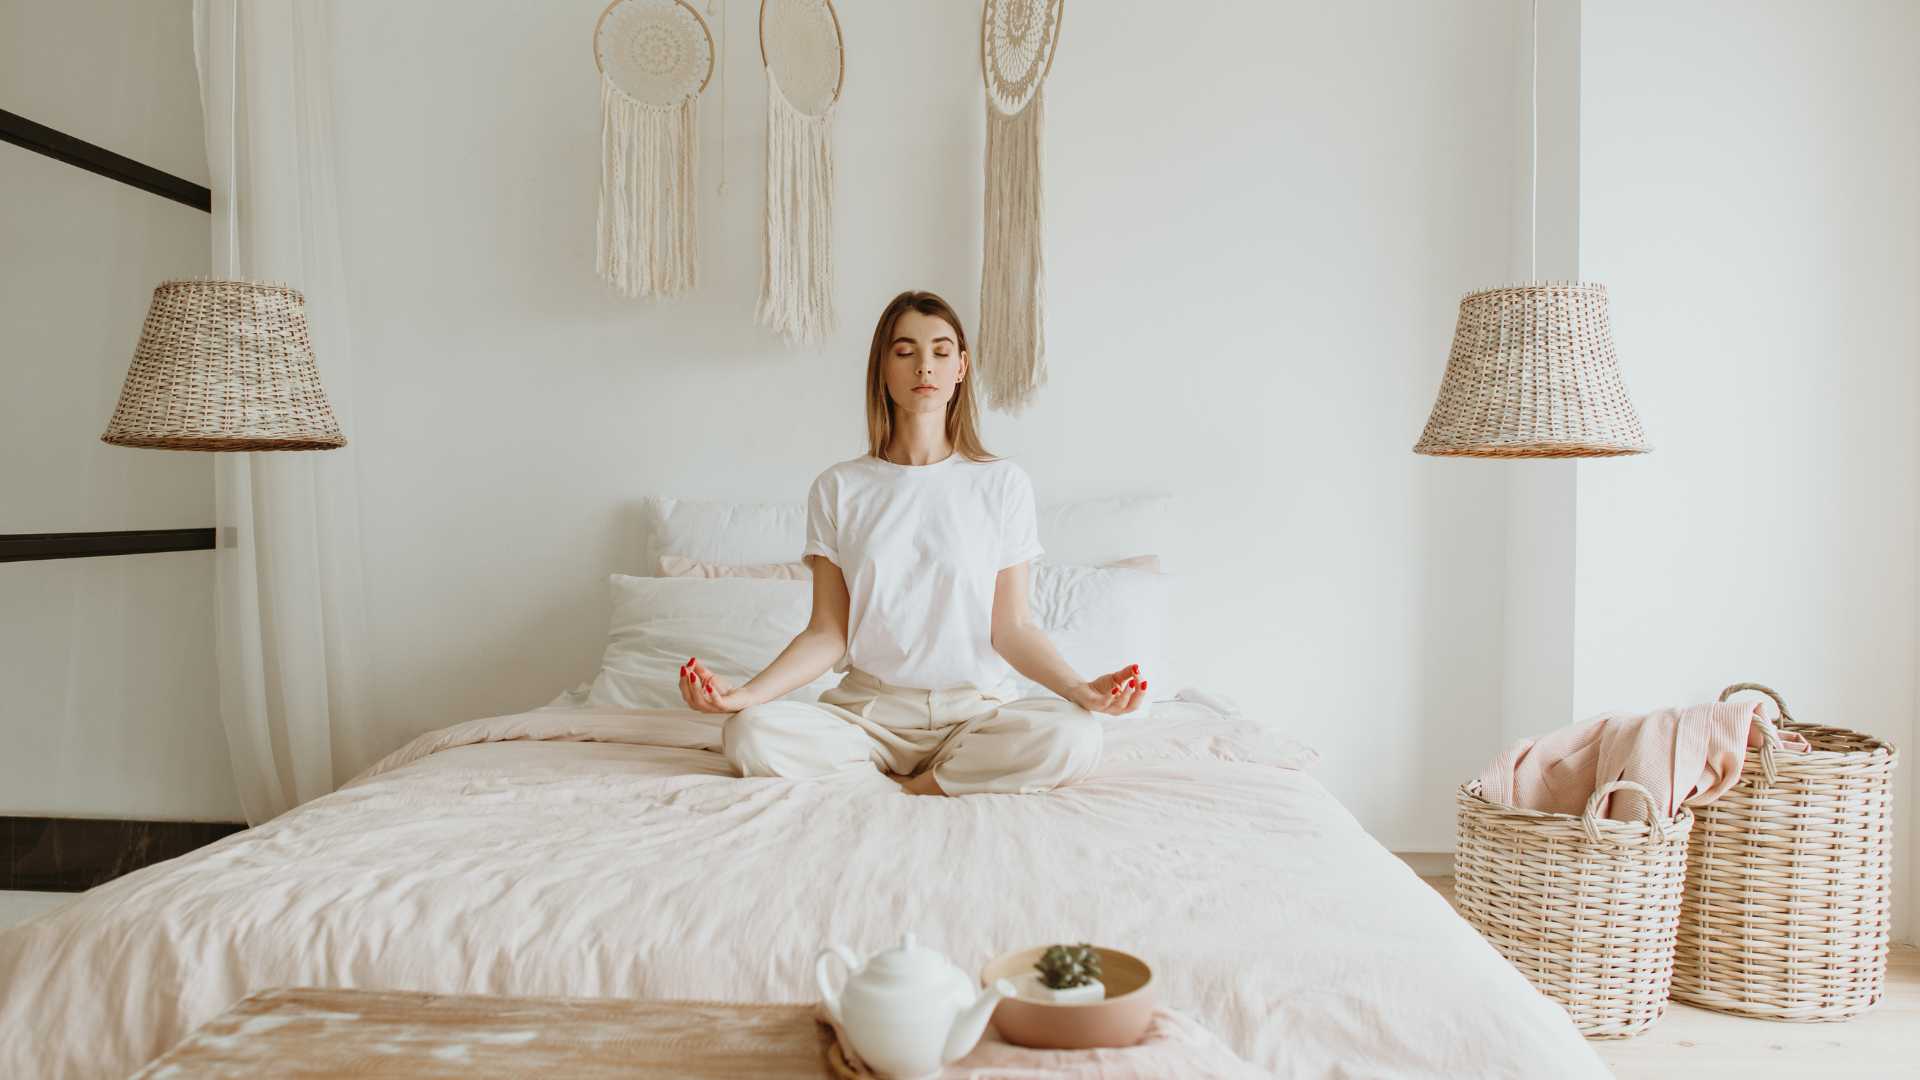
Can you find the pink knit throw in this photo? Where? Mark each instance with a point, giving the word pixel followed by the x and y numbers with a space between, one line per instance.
pixel 1684 756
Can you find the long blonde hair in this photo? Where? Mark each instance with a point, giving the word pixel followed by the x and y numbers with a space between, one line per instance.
pixel 962 429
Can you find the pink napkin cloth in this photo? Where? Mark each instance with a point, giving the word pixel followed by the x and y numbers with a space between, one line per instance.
pixel 1174 1047
pixel 1684 756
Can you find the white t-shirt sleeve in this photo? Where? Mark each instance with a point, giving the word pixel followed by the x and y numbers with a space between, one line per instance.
pixel 822 527
pixel 1019 522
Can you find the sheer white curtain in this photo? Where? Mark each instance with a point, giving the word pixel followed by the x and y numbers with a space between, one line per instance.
pixel 289 604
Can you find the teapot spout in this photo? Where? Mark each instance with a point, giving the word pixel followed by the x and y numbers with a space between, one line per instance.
pixel 972 1021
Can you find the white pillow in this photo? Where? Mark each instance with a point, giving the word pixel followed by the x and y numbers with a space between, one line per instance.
pixel 717 531
pixel 736 626
pixel 1094 531
pixel 1099 617
pixel 1103 617
pixel 1111 619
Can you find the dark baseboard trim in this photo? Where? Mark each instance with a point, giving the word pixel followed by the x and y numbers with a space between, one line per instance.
pixel 45 854
pixel 79 153
pixel 23 547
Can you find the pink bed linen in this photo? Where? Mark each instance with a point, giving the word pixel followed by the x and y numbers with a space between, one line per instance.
pixel 609 854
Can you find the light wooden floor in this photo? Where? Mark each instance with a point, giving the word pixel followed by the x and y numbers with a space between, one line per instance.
pixel 1696 1044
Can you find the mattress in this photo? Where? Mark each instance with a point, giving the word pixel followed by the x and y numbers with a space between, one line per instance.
pixel 582 852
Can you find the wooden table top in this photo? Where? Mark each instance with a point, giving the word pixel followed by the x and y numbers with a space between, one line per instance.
pixel 314 1033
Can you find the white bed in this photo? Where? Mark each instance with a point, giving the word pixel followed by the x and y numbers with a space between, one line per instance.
pixel 589 852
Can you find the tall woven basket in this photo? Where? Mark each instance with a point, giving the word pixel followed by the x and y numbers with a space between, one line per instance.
pixel 1586 907
pixel 1787 906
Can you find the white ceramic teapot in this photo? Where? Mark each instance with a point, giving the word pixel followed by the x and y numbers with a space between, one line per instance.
pixel 907 1010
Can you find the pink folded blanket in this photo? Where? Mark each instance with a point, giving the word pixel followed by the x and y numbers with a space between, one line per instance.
pixel 1683 756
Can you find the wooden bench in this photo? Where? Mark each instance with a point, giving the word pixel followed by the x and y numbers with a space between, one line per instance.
pixel 314 1033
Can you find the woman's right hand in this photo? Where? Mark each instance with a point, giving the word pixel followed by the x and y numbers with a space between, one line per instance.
pixel 1116 692
pixel 703 691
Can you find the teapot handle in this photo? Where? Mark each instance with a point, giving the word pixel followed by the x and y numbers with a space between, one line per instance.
pixel 828 996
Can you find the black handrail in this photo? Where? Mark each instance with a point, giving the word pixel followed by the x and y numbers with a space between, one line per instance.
pixel 41 139
pixel 60 146
pixel 25 547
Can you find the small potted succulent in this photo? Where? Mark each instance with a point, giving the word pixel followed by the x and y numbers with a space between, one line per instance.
pixel 1064 975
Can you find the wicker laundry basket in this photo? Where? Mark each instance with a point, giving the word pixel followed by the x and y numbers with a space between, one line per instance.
pixel 1586 907
pixel 1786 914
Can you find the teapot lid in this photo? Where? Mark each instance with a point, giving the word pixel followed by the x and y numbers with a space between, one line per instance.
pixel 906 964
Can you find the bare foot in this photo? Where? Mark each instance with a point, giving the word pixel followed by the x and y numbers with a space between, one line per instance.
pixel 924 784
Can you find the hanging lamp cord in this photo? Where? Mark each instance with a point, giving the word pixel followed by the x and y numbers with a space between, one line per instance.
pixel 1533 148
pixel 233 148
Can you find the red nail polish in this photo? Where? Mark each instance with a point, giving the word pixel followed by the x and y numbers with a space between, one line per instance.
pixel 1143 685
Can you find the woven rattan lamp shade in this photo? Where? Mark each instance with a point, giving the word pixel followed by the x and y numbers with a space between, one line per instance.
pixel 1532 374
pixel 224 365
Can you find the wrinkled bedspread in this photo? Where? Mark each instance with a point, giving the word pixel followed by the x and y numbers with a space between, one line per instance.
pixel 610 854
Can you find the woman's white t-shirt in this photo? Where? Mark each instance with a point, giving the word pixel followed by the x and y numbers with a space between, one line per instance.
pixel 920 547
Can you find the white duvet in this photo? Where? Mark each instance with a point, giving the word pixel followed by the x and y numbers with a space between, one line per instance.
pixel 609 854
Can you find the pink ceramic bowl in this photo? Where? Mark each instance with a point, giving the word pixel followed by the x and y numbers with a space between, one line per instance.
pixel 1120 1020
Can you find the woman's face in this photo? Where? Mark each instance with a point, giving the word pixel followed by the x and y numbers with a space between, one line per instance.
pixel 924 363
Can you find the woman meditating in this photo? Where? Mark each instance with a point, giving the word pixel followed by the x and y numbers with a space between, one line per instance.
pixel 919 552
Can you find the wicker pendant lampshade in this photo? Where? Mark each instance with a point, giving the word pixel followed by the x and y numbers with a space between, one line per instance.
pixel 1532 374
pixel 224 365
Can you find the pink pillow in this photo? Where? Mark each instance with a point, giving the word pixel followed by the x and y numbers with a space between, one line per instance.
pixel 681 566
pixel 1149 563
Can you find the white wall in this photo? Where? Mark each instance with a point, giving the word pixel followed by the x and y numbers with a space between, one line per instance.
pixel 1258 231
pixel 107 696
pixel 1259 227
pixel 1260 221
pixel 1748 194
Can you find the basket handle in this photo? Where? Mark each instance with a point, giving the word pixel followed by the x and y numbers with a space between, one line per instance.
pixel 1590 821
pixel 1769 734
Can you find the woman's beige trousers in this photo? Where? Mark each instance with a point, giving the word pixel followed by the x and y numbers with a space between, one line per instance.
pixel 974 741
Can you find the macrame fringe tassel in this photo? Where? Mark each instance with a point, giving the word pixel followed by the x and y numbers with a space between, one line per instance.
pixel 1013 345
pixel 796 283
pixel 647 195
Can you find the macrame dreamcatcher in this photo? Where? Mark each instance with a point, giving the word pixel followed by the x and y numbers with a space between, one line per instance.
pixel 654 56
pixel 801 47
pixel 1017 40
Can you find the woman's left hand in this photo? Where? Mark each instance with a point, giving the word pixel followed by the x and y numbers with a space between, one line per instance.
pixel 1115 692
pixel 703 691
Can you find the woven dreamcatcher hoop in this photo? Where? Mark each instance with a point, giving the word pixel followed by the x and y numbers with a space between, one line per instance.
pixel 1017 42
pixel 805 58
pixel 655 57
